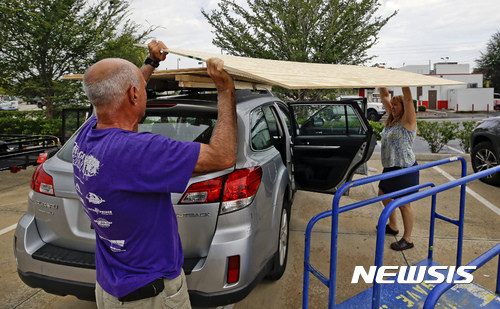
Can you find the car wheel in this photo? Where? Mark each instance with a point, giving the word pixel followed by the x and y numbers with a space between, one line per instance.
pixel 281 256
pixel 372 115
pixel 483 158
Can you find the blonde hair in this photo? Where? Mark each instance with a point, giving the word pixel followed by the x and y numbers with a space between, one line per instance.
pixel 391 120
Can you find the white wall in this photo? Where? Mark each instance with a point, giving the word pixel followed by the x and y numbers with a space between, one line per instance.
pixel 419 69
pixel 481 98
pixel 466 78
pixel 456 94
pixel 443 68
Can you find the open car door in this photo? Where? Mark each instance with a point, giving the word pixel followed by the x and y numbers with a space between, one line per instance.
pixel 331 140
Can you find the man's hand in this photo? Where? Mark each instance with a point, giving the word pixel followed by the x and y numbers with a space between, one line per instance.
pixel 223 81
pixel 156 54
pixel 155 50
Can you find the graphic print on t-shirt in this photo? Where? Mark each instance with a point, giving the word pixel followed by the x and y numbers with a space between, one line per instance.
pixel 94 198
pixel 88 165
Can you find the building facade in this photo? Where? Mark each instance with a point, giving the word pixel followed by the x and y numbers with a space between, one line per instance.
pixel 468 97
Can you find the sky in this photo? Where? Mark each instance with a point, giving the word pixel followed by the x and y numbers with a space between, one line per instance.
pixel 423 32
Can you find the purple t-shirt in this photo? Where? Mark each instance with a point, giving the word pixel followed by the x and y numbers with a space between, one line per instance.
pixel 124 180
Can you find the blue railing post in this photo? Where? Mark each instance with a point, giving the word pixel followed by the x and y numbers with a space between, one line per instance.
pixel 497 290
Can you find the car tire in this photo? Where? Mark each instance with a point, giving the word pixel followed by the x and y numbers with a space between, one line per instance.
pixel 281 255
pixel 483 157
pixel 372 115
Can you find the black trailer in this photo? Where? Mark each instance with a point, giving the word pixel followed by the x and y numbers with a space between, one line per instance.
pixel 18 151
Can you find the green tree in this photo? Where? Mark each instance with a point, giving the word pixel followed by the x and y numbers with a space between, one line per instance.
pixel 489 62
pixel 318 31
pixel 44 40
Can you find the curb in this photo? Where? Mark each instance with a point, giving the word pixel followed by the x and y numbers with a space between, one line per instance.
pixel 423 115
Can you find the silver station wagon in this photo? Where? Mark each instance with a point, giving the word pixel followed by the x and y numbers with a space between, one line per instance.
pixel 234 224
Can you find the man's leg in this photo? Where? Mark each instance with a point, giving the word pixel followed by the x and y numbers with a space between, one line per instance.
pixel 175 294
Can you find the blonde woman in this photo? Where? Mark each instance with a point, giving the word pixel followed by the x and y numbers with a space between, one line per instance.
pixel 397 141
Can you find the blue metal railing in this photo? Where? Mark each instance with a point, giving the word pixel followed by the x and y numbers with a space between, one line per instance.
pixel 439 289
pixel 336 210
pixel 379 251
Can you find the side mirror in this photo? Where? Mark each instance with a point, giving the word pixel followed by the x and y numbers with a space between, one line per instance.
pixel 318 122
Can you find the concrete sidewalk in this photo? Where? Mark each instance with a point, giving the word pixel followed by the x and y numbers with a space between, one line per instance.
pixel 357 238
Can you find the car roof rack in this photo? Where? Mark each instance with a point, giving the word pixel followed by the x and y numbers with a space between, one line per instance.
pixel 188 80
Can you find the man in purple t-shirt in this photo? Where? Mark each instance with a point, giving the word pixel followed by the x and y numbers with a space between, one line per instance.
pixel 138 249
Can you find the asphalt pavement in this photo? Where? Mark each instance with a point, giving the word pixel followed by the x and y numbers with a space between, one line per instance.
pixel 357 236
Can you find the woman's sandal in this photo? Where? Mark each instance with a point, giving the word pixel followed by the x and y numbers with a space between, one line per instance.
pixel 389 231
pixel 401 245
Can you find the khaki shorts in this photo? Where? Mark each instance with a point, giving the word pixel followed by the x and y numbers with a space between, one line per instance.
pixel 174 296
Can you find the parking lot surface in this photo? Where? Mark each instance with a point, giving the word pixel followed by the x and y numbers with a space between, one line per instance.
pixel 357 235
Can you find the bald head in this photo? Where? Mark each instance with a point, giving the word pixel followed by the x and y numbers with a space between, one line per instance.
pixel 107 81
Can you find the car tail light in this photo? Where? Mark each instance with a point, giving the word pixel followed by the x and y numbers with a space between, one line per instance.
pixel 203 192
pixel 233 269
pixel 42 182
pixel 240 188
pixel 235 190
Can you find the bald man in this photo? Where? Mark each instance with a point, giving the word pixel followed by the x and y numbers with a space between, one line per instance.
pixel 138 249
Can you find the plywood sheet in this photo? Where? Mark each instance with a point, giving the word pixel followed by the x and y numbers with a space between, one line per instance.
pixel 301 75
pixel 253 73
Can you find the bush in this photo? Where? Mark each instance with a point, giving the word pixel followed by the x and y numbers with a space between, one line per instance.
pixel 377 128
pixel 29 122
pixel 463 135
pixel 421 108
pixel 437 134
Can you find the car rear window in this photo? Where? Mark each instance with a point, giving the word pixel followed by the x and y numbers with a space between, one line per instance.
pixel 197 128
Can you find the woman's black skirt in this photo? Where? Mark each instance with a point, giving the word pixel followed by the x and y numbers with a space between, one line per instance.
pixel 397 183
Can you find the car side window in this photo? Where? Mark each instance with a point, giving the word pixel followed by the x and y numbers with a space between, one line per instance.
pixel 328 120
pixel 284 113
pixel 260 137
pixel 272 123
pixel 353 123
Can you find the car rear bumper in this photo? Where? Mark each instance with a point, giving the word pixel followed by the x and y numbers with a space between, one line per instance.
pixel 52 268
pixel 81 290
